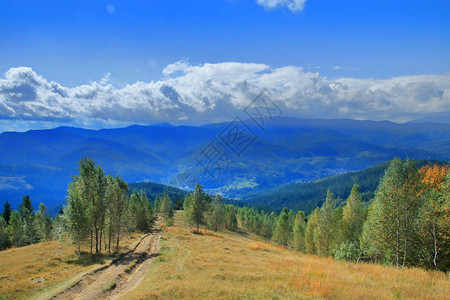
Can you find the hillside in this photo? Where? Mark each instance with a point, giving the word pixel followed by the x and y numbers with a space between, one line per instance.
pixel 209 265
pixel 227 265
pixel 287 150
pixel 308 195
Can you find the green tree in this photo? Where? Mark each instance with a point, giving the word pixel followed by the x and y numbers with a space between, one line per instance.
pixel 16 231
pixel 353 217
pixel 116 207
pixel 283 229
pixel 6 212
pixel 311 226
pixel 92 189
pixel 26 204
pixel 198 207
pixel 299 230
pixel 43 224
pixel 140 210
pixel 75 218
pixel 327 230
pixel 392 227
pixel 166 206
pixel 216 214
pixel 230 218
pixel 4 238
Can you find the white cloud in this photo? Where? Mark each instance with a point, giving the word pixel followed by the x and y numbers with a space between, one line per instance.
pixel 292 5
pixel 218 92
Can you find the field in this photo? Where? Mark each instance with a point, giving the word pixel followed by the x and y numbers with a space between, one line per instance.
pixel 228 265
pixel 222 265
pixel 40 270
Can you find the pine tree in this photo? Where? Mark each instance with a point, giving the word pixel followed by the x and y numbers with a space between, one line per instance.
pixel 230 218
pixel 166 205
pixel 6 212
pixel 326 231
pixel 216 214
pixel 198 207
pixel 26 204
pixel 283 229
pixel 299 230
pixel 310 231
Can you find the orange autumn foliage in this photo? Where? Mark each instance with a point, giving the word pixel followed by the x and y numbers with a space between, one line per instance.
pixel 434 176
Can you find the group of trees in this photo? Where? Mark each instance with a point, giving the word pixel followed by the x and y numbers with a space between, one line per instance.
pixel 98 212
pixel 201 209
pixel 24 226
pixel 407 223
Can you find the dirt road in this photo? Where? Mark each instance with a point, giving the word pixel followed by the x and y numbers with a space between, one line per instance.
pixel 118 278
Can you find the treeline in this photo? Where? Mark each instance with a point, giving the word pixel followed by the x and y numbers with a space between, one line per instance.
pixel 407 223
pixel 24 227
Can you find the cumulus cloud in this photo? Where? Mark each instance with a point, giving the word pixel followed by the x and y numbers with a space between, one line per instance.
pixel 218 92
pixel 292 5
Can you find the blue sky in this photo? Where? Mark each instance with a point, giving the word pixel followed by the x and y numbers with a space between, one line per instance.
pixel 100 47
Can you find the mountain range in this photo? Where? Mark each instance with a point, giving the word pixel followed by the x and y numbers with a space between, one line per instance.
pixel 235 158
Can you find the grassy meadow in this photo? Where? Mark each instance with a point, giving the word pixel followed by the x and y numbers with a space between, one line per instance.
pixel 40 270
pixel 227 265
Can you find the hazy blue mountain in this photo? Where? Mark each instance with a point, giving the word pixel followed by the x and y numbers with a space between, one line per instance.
pixel 40 162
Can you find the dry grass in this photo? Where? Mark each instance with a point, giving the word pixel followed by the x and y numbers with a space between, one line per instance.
pixel 228 265
pixel 40 269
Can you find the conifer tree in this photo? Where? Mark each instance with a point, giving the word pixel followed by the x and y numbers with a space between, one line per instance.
pixel 198 207
pixel 283 229
pixel 216 214
pixel 6 212
pixel 166 205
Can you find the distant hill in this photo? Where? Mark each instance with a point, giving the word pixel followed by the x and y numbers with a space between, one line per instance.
pixel 40 162
pixel 153 190
pixel 307 196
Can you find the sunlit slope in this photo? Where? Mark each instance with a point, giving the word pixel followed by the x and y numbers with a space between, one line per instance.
pixel 229 265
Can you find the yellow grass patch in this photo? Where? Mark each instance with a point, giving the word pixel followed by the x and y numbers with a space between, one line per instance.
pixel 42 268
pixel 226 265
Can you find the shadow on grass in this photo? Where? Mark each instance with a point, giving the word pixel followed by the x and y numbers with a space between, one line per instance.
pixel 87 259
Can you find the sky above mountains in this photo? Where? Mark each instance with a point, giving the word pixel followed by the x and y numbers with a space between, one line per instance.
pixel 110 63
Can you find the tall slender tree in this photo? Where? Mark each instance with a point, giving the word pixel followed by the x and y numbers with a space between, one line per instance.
pixel 311 226
pixel 394 222
pixel 216 214
pixel 6 211
pixel 283 229
pixel 326 231
pixel 298 233
pixel 353 217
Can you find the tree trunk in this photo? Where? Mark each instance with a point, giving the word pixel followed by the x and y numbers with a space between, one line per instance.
pixel 435 245
pixel 91 241
pixel 100 242
pixel 398 237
